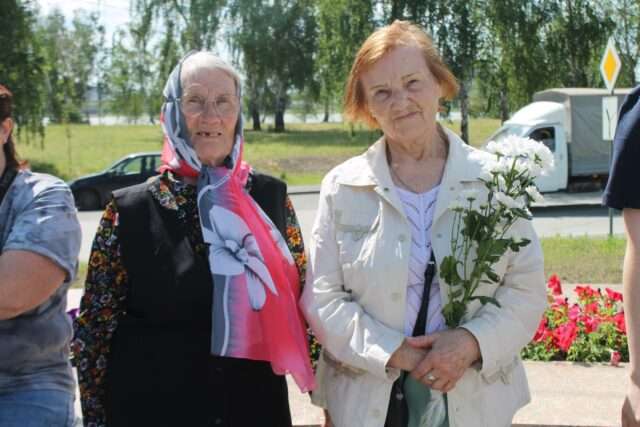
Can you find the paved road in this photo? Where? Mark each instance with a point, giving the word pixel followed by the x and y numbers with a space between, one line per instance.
pixel 549 221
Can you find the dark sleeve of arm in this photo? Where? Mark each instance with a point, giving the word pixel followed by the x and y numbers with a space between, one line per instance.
pixel 622 190
pixel 101 306
pixel 296 247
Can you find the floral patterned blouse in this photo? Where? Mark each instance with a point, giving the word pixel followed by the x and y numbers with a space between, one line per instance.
pixel 103 302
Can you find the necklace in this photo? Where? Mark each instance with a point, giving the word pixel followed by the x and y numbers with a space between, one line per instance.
pixel 407 186
pixel 395 174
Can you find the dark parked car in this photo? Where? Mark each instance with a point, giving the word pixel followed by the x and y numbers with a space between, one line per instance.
pixel 94 191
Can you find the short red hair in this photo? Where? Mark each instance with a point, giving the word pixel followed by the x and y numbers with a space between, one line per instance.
pixel 400 33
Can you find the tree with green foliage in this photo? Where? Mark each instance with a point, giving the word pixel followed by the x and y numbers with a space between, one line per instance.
pixel 626 15
pixel 125 97
pixel 143 63
pixel 514 61
pixel 343 26
pixel 70 61
pixel 491 79
pixel 250 47
pixel 456 30
pixel 284 59
pixel 577 37
pixel 56 42
pixel 417 11
pixel 196 22
pixel 22 68
pixel 292 53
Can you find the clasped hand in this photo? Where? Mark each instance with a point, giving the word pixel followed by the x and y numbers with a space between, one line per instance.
pixel 448 355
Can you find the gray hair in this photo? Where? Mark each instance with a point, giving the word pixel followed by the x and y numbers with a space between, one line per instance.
pixel 205 60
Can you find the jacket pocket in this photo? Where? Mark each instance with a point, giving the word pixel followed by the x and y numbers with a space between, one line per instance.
pixel 354 231
pixel 505 394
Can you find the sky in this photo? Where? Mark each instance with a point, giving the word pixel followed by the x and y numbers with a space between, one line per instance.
pixel 113 13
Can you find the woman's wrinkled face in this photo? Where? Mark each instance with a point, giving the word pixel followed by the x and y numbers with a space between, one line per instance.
pixel 402 94
pixel 210 106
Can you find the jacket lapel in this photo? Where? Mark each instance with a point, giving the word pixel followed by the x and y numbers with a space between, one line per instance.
pixel 459 168
pixel 374 172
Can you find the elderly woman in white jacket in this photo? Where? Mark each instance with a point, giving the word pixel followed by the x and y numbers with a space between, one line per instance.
pixel 383 217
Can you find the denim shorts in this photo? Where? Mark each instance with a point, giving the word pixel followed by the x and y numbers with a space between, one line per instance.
pixel 37 408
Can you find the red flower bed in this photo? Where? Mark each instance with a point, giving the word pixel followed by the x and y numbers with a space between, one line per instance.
pixel 591 330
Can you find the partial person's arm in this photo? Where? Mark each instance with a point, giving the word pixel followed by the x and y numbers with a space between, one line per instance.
pixel 344 328
pixel 631 291
pixel 27 279
pixel 41 250
pixel 296 247
pixel 101 307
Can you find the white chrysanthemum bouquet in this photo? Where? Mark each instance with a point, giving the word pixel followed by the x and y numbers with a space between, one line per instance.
pixel 480 226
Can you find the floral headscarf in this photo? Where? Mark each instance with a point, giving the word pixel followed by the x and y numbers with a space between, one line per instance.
pixel 256 283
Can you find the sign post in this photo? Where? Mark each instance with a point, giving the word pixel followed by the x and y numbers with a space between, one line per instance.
pixel 610 68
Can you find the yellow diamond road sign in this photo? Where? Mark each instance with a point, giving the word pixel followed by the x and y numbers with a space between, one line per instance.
pixel 610 65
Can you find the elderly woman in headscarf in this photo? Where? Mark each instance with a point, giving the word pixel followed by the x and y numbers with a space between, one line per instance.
pixel 189 316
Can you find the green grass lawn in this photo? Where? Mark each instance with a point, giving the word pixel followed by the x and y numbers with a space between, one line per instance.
pixel 302 155
pixel 573 259
pixel 584 259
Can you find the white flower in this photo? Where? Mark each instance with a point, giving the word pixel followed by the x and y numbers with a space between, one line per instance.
pixel 512 146
pixel 534 194
pixel 494 148
pixel 508 201
pixel 502 183
pixel 469 195
pixel 486 174
pixel 529 165
pixel 234 251
pixel 457 205
pixel 546 159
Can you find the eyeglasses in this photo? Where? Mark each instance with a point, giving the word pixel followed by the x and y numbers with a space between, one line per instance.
pixel 224 105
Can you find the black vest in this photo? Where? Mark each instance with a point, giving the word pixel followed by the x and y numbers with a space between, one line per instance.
pixel 159 370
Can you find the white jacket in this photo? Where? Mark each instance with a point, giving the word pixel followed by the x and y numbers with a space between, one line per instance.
pixel 356 301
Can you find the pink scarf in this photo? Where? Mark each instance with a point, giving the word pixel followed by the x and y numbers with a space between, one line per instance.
pixel 256 282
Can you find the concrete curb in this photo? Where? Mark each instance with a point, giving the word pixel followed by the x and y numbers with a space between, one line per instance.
pixel 303 189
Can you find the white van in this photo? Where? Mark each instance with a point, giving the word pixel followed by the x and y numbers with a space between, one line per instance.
pixel 569 122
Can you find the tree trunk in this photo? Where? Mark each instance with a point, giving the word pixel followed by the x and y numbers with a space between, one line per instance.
pixel 326 110
pixel 255 117
pixel 279 114
pixel 279 121
pixel 255 114
pixel 464 112
pixel 504 105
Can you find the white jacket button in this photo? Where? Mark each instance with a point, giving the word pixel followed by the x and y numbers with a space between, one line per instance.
pixel 402 238
pixel 376 413
pixel 395 296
